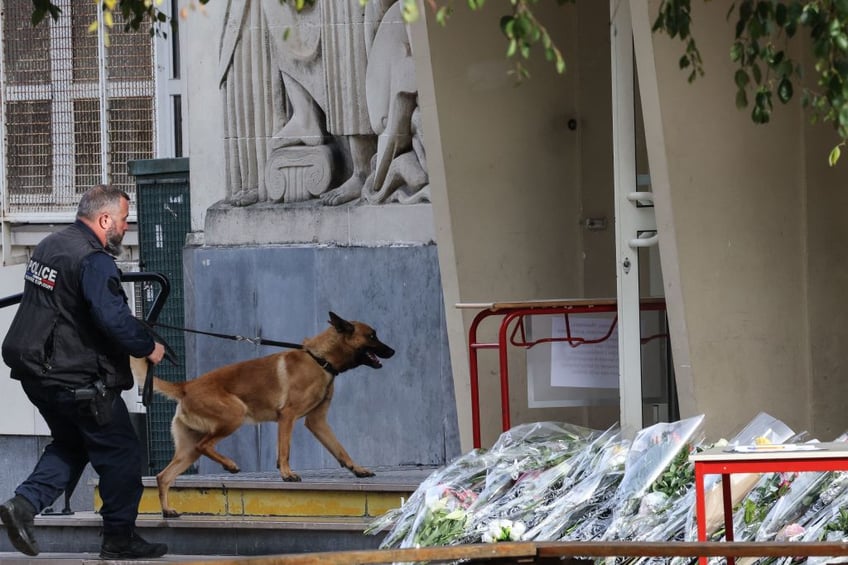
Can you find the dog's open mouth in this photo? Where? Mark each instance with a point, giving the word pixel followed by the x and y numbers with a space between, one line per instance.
pixel 373 360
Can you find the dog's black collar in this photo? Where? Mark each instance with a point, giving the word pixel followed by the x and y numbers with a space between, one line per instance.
pixel 324 364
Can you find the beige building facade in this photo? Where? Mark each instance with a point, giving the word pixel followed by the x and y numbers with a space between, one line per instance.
pixel 749 217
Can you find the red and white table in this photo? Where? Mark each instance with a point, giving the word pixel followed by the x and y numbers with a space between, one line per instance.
pixel 726 461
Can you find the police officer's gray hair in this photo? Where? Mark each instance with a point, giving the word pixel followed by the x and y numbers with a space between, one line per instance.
pixel 98 199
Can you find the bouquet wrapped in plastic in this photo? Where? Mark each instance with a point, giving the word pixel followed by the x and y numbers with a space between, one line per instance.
pixel 456 504
pixel 597 473
pixel 551 481
pixel 659 451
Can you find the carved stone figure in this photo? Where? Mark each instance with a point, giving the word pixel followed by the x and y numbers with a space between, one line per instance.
pixel 399 169
pixel 306 95
pixel 253 107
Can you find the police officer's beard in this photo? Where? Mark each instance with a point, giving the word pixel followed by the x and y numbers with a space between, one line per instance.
pixel 114 242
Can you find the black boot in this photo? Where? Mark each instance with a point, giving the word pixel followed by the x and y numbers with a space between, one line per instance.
pixel 130 546
pixel 17 515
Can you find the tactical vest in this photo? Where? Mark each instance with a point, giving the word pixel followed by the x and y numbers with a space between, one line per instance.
pixel 53 336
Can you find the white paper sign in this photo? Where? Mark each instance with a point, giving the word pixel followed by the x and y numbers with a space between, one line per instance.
pixel 589 365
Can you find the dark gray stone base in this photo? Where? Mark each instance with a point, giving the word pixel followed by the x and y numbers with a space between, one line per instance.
pixel 402 414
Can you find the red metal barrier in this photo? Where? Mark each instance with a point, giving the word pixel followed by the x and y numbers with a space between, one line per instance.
pixel 510 312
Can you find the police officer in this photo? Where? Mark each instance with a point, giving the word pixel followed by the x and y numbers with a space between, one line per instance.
pixel 69 345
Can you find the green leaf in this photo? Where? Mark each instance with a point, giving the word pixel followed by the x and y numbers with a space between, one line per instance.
pixel 758 74
pixel 37 16
pixel 760 114
pixel 741 78
pixel 736 52
pixel 523 26
pixel 409 10
pixel 560 63
pixel 784 90
pixel 780 15
pixel 508 26
pixel 54 11
pixel 513 46
pixel 835 27
pixel 833 158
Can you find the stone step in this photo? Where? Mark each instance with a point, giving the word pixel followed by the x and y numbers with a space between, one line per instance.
pixel 247 514
pixel 208 535
pixel 320 493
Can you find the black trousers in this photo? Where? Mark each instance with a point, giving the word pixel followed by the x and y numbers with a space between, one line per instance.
pixel 114 451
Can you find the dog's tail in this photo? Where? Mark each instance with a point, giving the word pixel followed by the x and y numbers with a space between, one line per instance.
pixel 139 370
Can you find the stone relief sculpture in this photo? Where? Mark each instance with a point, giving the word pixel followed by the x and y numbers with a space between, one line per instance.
pixel 398 168
pixel 252 101
pixel 333 104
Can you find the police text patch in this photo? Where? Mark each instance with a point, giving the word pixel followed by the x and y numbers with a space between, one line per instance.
pixel 41 275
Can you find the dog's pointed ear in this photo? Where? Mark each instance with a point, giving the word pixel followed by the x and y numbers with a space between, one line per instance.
pixel 342 326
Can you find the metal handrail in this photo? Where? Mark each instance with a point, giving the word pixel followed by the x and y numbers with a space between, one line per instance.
pixel 158 301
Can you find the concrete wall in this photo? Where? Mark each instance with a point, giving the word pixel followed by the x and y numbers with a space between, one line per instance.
pixel 827 279
pixel 200 35
pixel 512 183
pixel 402 414
pixel 755 234
pixel 738 216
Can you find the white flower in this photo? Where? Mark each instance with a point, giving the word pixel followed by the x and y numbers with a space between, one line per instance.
pixel 503 530
pixel 652 503
pixel 517 531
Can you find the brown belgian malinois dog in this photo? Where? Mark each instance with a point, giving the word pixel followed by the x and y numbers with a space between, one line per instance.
pixel 281 387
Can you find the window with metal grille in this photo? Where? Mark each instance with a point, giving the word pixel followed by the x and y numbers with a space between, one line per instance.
pixel 74 108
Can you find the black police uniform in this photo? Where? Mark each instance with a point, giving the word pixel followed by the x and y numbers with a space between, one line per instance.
pixel 72 329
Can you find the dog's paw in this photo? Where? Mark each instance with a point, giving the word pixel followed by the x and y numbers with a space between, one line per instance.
pixel 232 469
pixel 291 478
pixel 170 514
pixel 362 472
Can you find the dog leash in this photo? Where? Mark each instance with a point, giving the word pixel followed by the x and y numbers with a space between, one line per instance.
pixel 147 390
pixel 253 340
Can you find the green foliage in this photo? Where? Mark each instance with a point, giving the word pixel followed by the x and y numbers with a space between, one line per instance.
pixel 523 31
pixel 41 8
pixel 839 524
pixel 759 502
pixel 678 476
pixel 675 19
pixel 766 70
